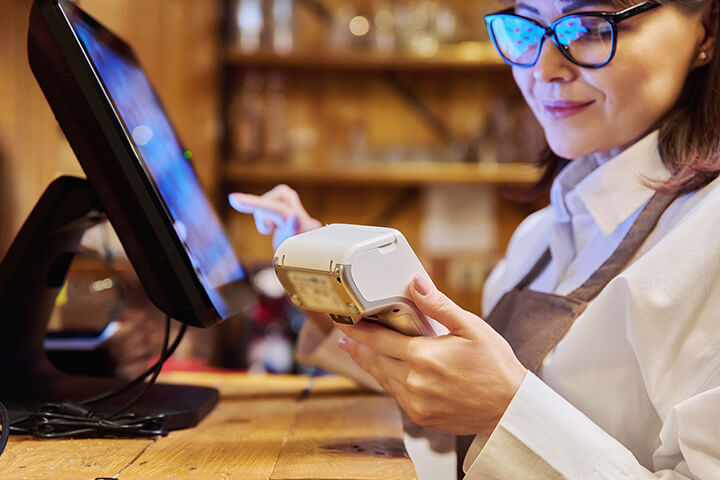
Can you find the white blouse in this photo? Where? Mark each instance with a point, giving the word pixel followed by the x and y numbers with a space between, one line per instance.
pixel 633 389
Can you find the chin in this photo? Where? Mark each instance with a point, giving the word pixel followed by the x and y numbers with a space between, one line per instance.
pixel 570 146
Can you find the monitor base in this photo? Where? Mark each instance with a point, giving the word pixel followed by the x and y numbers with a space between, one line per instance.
pixel 31 276
pixel 182 406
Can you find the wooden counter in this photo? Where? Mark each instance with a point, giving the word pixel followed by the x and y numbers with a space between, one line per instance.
pixel 260 430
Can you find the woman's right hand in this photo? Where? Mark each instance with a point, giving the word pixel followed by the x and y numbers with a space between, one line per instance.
pixel 281 213
pixel 278 212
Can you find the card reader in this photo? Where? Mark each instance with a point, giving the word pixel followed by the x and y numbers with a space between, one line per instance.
pixel 355 272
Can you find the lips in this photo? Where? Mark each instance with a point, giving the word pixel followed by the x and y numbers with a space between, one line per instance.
pixel 561 109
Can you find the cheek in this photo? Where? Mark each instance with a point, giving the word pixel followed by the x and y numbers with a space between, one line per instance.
pixel 633 93
pixel 524 80
pixel 521 77
pixel 641 89
pixel 567 139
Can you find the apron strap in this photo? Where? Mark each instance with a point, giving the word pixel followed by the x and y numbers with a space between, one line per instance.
pixel 630 245
pixel 635 238
pixel 535 272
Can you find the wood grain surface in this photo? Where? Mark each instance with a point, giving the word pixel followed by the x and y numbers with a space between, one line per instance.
pixel 263 428
pixel 328 441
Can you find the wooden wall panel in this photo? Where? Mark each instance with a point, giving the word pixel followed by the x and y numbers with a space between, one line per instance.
pixel 28 132
pixel 176 41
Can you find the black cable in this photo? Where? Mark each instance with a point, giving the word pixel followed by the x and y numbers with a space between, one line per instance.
pixel 64 420
pixel 156 372
pixel 142 376
pixel 316 372
pixel 69 419
pixel 5 424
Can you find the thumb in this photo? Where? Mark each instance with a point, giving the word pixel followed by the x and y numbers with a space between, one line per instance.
pixel 435 304
pixel 287 229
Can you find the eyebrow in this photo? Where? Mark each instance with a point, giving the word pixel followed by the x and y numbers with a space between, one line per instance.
pixel 527 7
pixel 571 5
pixel 575 4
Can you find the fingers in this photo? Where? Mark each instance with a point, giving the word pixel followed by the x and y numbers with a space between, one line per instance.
pixel 245 203
pixel 241 202
pixel 270 213
pixel 287 195
pixel 380 339
pixel 267 222
pixel 285 231
pixel 389 372
pixel 435 304
pixel 290 196
pixel 274 208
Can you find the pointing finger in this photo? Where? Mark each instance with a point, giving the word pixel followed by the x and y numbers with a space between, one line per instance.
pixel 245 203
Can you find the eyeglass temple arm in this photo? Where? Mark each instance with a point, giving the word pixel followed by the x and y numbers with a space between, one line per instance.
pixel 636 10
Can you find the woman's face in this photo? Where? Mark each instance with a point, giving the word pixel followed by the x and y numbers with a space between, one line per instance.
pixel 585 111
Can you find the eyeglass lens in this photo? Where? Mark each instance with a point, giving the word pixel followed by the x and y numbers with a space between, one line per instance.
pixel 587 40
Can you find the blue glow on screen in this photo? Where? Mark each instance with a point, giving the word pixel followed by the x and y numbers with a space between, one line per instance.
pixel 164 160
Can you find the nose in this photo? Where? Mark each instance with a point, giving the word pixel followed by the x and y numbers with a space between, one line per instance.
pixel 552 66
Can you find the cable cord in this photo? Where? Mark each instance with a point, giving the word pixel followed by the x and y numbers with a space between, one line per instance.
pixel 76 419
pixel 142 376
pixel 5 424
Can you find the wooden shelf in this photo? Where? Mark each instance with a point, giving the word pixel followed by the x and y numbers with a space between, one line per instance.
pixel 464 56
pixel 385 174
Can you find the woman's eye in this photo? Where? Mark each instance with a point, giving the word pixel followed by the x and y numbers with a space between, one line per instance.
pixel 603 31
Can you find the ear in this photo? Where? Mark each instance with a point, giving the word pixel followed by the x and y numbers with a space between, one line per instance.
pixel 708 48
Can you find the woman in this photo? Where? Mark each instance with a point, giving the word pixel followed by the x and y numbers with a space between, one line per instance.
pixel 608 299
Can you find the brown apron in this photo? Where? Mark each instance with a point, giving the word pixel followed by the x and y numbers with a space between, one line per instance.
pixel 533 323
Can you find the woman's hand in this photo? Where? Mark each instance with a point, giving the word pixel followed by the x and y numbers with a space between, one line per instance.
pixel 278 211
pixel 281 213
pixel 458 383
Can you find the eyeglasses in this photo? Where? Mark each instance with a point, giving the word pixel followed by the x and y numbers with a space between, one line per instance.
pixel 587 39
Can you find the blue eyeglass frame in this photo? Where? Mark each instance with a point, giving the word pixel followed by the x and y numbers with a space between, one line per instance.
pixel 613 18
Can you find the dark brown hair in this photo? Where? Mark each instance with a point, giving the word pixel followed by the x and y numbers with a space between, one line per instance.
pixel 689 140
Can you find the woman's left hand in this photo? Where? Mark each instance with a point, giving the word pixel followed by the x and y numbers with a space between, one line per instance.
pixel 458 383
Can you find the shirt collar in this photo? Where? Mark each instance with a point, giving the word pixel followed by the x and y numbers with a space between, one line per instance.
pixel 614 190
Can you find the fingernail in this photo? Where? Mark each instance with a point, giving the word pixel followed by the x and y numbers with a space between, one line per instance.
pixel 422 285
pixel 234 200
pixel 343 341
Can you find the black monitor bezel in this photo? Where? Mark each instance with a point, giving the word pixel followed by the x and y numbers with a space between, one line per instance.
pixel 108 156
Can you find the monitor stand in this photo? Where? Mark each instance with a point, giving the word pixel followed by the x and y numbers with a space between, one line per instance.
pixel 31 276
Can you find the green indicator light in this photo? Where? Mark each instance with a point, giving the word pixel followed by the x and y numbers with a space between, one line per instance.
pixel 188 154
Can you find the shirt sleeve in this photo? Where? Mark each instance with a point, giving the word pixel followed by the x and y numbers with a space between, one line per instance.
pixel 543 437
pixel 321 350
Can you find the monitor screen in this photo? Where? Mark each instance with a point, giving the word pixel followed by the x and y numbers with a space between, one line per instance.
pixel 164 160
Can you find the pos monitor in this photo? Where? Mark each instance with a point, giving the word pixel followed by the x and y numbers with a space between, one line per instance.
pixel 140 178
